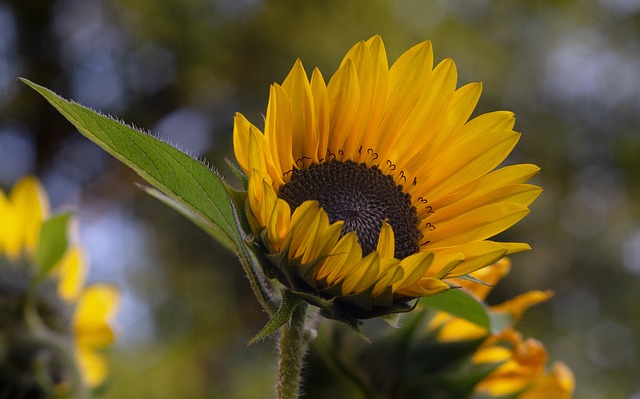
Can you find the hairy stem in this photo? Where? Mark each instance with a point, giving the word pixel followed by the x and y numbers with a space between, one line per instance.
pixel 292 348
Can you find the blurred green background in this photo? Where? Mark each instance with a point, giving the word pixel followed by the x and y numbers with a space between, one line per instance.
pixel 570 70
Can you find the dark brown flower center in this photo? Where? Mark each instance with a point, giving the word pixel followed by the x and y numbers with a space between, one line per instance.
pixel 363 197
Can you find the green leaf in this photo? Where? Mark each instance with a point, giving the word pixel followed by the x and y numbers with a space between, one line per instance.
pixel 186 180
pixel 460 304
pixel 52 242
pixel 290 302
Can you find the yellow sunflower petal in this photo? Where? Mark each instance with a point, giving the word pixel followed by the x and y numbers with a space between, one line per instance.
pixel 344 97
pixel 380 86
pixel 304 227
pixel 410 69
pixel 456 329
pixel 426 286
pixel 390 273
pixel 428 115
pixel 523 302
pixel 360 55
pixel 268 202
pixel 559 384
pixel 476 225
pixel 96 307
pixel 345 254
pixel 415 266
pixel 512 174
pixel 493 354
pixel 461 165
pixel 318 237
pixel 29 207
pixel 407 78
pixel 443 263
pixel 93 366
pixel 72 270
pixel 386 241
pixel 304 145
pixel 476 255
pixel 478 126
pixel 241 140
pixel 279 128
pixel 260 156
pixel 523 194
pixel 256 154
pixel 278 224
pixel 462 105
pixel 328 236
pixel 256 195
pixel 321 109
pixel 515 247
pixel 365 273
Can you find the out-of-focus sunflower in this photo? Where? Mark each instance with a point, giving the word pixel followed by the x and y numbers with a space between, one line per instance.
pixel 522 372
pixel 376 188
pixel 63 306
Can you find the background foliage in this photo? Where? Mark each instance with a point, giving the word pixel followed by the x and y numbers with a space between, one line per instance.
pixel 569 69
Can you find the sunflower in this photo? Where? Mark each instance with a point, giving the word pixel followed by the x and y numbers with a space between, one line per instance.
pixel 376 188
pixel 65 307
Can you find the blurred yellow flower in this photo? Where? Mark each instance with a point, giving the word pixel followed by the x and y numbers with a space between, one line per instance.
pixel 95 307
pixel 522 369
pixel 376 188
pixel 22 213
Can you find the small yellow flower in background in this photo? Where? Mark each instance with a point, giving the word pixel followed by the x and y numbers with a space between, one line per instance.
pixel 65 306
pixel 522 370
pixel 376 188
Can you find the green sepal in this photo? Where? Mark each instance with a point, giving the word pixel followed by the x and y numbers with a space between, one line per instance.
pixel 290 301
pixel 468 277
pixel 238 202
pixel 52 243
pixel 385 299
pixel 238 173
pixel 393 320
